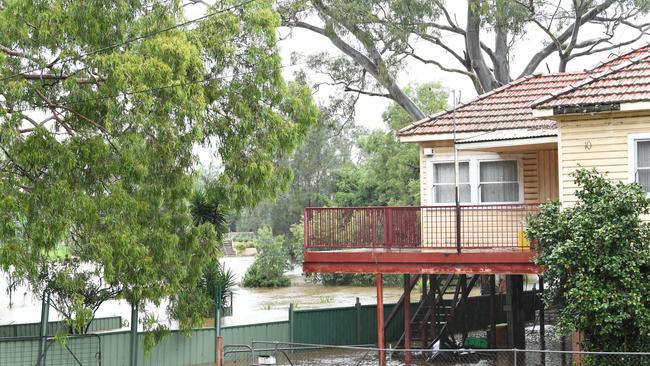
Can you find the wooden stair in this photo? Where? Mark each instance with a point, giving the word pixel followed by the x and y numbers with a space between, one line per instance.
pixel 228 250
pixel 436 313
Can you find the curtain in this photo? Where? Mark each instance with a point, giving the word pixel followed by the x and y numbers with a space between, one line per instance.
pixel 643 164
pixel 444 182
pixel 499 181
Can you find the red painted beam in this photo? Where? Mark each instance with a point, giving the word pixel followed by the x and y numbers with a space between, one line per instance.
pixel 424 268
pixel 420 262
pixel 377 256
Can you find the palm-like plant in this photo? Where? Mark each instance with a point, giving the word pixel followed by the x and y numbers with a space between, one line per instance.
pixel 205 209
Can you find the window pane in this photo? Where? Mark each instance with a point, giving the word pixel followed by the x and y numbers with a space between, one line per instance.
pixel 444 172
pixel 498 171
pixel 500 192
pixel 643 154
pixel 643 178
pixel 446 193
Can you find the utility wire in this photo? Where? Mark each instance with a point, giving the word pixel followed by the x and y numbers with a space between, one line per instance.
pixel 154 89
pixel 131 40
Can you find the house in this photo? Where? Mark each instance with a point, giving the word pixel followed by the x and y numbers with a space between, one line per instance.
pixel 517 146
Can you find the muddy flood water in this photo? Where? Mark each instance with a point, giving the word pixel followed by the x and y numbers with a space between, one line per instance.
pixel 251 305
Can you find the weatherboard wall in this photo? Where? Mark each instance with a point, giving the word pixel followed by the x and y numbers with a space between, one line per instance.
pixel 600 143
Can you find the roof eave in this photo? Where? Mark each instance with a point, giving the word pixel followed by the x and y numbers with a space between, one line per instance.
pixel 436 137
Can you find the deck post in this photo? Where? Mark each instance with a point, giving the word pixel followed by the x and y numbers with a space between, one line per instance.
pixel 407 318
pixel 424 334
pixel 493 313
pixel 516 325
pixel 380 320
pixel 434 289
pixel 542 320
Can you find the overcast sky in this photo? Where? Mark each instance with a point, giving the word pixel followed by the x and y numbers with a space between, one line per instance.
pixel 369 109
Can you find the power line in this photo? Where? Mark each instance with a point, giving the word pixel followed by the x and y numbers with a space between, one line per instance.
pixel 131 40
pixel 154 89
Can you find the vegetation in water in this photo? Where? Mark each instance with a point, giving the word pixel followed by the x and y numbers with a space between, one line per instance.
pixel 270 264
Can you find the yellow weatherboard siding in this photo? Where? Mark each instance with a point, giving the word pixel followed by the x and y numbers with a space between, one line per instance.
pixel 540 170
pixel 540 184
pixel 600 143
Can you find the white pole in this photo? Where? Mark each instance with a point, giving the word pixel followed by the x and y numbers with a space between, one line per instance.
pixel 456 174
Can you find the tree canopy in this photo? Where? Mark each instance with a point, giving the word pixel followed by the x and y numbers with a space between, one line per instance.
pixel 476 39
pixel 596 259
pixel 388 172
pixel 101 107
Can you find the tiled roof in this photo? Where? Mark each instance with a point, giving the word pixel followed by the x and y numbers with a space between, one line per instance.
pixel 623 80
pixel 507 107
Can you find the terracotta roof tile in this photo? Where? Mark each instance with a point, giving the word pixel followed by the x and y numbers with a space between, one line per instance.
pixel 623 80
pixel 507 107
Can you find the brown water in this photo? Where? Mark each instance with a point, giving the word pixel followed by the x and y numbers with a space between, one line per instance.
pixel 254 305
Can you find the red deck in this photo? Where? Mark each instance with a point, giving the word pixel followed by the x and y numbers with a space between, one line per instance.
pixel 484 239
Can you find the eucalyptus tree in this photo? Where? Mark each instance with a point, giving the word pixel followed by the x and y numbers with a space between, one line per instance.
pixel 377 37
pixel 102 105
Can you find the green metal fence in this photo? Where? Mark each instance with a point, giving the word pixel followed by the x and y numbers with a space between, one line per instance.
pixel 33 329
pixel 333 326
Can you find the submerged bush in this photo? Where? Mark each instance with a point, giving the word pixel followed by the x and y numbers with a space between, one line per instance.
pixel 271 262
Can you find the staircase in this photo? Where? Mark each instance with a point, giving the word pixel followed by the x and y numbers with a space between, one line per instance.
pixel 228 251
pixel 442 297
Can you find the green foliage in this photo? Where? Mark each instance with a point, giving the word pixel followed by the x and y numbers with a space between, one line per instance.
pixel 240 247
pixel 389 171
pixel 349 279
pixel 296 241
pixel 326 149
pixel 270 264
pixel 108 170
pixel 596 257
pixel 431 98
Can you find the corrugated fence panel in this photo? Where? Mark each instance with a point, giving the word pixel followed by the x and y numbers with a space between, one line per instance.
pixel 335 326
pixel 115 348
pixel 245 334
pixel 177 349
pixel 33 329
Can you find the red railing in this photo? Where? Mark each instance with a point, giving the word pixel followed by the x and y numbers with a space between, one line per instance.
pixel 479 226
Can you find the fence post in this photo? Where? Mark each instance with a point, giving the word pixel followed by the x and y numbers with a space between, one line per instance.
pixel 357 307
pixel 291 323
pixel 217 323
pixel 515 355
pixel 134 334
pixel 45 314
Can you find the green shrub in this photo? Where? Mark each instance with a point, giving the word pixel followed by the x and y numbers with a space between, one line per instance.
pixel 240 247
pixel 270 264
pixel 596 258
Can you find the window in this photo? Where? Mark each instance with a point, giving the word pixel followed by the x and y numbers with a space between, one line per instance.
pixel 498 181
pixel 642 163
pixel 485 178
pixel 444 182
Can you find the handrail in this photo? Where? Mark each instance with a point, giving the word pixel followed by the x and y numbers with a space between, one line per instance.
pixel 398 227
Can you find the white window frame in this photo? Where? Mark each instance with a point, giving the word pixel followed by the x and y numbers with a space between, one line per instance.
pixel 520 180
pixel 632 139
pixel 432 185
pixel 474 178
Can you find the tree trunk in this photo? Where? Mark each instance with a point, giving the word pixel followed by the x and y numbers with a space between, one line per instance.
pixel 501 65
pixel 474 53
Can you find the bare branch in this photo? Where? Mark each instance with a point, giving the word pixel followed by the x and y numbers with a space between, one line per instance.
pixel 372 94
